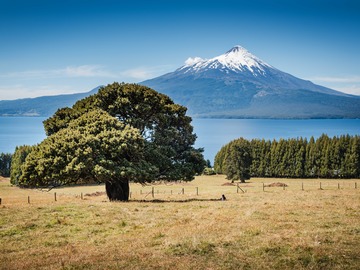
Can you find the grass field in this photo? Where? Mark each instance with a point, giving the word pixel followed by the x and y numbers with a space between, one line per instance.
pixel 184 226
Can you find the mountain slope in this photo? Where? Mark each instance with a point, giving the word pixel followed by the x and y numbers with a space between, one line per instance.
pixel 237 84
pixel 40 106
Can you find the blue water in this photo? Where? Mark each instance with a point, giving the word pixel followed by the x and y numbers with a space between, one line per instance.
pixel 212 133
pixel 16 131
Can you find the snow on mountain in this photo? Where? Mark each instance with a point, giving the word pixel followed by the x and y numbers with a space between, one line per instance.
pixel 239 84
pixel 236 84
pixel 238 59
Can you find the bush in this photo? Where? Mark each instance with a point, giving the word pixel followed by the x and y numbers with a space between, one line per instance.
pixel 209 171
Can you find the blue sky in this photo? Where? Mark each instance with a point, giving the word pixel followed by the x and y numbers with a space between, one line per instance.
pixel 52 47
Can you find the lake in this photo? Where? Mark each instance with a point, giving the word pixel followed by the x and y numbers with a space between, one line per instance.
pixel 212 133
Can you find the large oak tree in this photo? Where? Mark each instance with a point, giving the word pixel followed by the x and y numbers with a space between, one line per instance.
pixel 125 132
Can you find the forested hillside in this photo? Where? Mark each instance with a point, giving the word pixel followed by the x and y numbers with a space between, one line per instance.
pixel 337 157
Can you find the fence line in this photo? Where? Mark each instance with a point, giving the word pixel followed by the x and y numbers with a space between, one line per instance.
pixel 195 191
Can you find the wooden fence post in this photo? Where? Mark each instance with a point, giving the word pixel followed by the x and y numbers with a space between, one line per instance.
pixel 152 192
pixel 338 185
pixel 237 190
pixel 55 196
pixel 183 191
pixel 355 185
pixel 197 191
pixel 0 201
pixel 320 186
pixel 28 199
pixel 81 195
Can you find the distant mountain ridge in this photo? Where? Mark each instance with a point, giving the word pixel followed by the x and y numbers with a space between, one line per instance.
pixel 41 106
pixel 238 84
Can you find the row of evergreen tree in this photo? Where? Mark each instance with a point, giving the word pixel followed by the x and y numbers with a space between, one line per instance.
pixel 10 164
pixel 325 157
pixel 5 164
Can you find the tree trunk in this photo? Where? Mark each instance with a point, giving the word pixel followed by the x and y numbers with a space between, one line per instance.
pixel 117 191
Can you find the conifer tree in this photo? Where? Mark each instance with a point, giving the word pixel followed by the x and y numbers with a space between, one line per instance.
pixel 337 157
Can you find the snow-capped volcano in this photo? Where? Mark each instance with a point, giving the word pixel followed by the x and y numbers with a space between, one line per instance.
pixel 239 84
pixel 238 59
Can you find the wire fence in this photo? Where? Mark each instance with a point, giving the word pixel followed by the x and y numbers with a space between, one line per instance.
pixel 180 193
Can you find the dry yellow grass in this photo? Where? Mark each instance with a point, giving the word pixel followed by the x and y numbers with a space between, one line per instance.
pixel 273 229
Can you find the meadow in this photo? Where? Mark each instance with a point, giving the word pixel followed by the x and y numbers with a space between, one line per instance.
pixel 309 224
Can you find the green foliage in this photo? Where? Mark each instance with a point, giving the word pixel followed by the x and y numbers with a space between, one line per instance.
pixel 164 125
pixel 235 160
pixel 5 162
pixel 94 147
pixel 18 159
pixel 337 157
pixel 208 164
pixel 125 132
pixel 238 160
pixel 209 171
pixel 62 117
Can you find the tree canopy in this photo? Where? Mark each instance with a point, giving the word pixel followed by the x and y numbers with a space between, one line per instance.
pixel 5 162
pixel 325 157
pixel 125 132
pixel 238 160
